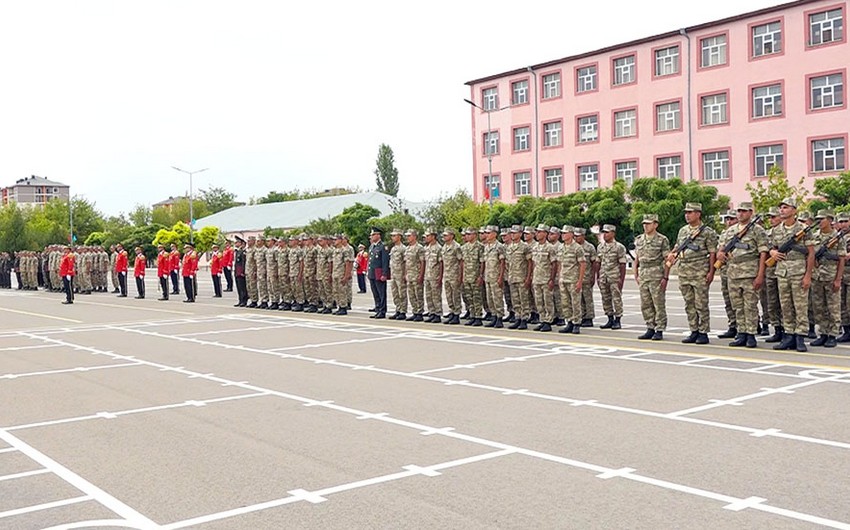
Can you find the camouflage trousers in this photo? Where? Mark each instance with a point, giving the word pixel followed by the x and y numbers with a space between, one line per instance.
pixel 588 309
pixel 653 304
pixel 398 286
pixel 794 301
pixel 326 290
pixel 521 296
pixel 745 301
pixel 495 297
pixel 571 301
pixel 545 302
pixel 774 310
pixel 695 293
pixel 262 285
pixel 285 286
pixel 472 298
pixel 297 288
pixel 509 302
pixel 827 307
pixel 612 297
pixel 54 279
pixel 340 296
pixel 434 296
pixel 727 303
pixel 251 284
pixel 811 313
pixel 453 297
pixel 556 302
pixel 273 282
pixel 845 303
pixel 311 288
pixel 349 292
pixel 415 296
pixel 115 284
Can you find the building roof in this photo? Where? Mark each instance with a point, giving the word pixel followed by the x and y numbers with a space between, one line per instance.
pixel 169 201
pixel 294 214
pixel 38 181
pixel 644 40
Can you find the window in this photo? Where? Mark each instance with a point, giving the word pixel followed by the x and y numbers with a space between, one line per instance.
pixel 553 180
pixel 827 91
pixel 491 143
pixel 767 156
pixel 586 79
pixel 588 129
pixel 552 134
pixel 624 70
pixel 626 171
pixel 521 138
pixel 767 39
pixel 667 61
pixel 588 177
pixel 828 155
pixel 713 51
pixel 668 116
pixel 490 97
pixel 767 101
pixel 551 86
pixel 625 123
pixel 714 109
pixel 493 184
pixel 519 92
pixel 669 167
pixel 522 184
pixel 715 165
pixel 826 27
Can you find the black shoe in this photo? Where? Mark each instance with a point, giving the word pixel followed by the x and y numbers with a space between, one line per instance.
pixel 831 342
pixel 252 305
pixel 812 334
pixel 372 309
pixel 566 329
pixel 659 335
pixel 477 322
pixel 576 329
pixel 327 311
pixel 777 335
pixel 616 324
pixel 341 311
pixel 469 322
pixel 435 319
pixel 401 316
pixel 67 302
pixel 820 341
pixel 188 301
pixel 801 346
pixel 692 338
pixel 535 318
pixel 543 326
pixel 765 330
pixel 381 315
pixel 740 341
pixel 730 333
pixel 516 324
pixel 417 318
pixel 523 324
pixel 498 323
pixel 455 320
pixel 788 342
pixel 587 322
pixel 311 309
pixel 139 297
pixel 234 305
pixel 702 338
pixel 511 317
pixel 263 305
pixel 845 337
pixel 286 306
pixel 162 299
pixel 648 335
pixel 297 308
pixel 395 316
pixel 491 323
pixel 488 316
pixel 465 316
pixel 559 322
pixel 751 341
pixel 608 324
pixel 274 306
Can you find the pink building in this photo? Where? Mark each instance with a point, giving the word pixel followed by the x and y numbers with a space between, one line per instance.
pixel 720 103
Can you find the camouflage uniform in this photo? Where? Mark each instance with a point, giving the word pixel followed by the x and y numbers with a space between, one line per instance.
pixel 694 266
pixel 296 272
pixel 493 257
pixel 506 287
pixel 826 301
pixel 398 281
pixel 588 309
pixel 311 284
pixel 556 292
pixel 472 252
pixel 341 256
pixel 845 284
pixel 262 272
pixel 793 299
pixel 518 254
pixel 452 257
pixel 528 239
pixel 570 259
pixel 272 278
pixel 771 288
pixel 251 271
pixel 283 274
pixel 544 256
pixel 324 264
pixel 414 260
pixel 731 317
pixel 611 256
pixel 650 253
pixel 742 268
pixel 434 276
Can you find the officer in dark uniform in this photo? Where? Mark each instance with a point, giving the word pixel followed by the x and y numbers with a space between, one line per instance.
pixel 378 272
pixel 239 261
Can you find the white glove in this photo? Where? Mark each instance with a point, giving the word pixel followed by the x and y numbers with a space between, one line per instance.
pixel 68 278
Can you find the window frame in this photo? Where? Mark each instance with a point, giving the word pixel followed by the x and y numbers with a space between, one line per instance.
pixel 615 163
pixel 486 141
pixel 752 102
pixel 811 155
pixel 484 105
pixel 614 59
pixel 680 155
pixel 753 164
pixel 614 113
pixel 700 65
pixel 807 26
pixel 514 187
pixel 751 34
pixel 578 129
pixel 543 76
pixel 703 152
pixel 655 50
pixel 700 109
pixel 513 137
pixel 655 122
pixel 581 165
pixel 560 134
pixel 527 101
pixel 546 180
pixel 594 65
pixel 809 95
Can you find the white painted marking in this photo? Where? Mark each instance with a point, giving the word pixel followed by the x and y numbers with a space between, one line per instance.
pixel 7 450
pixel 743 504
pixel 196 403
pixel 426 471
pixel 108 523
pixel 305 495
pixel 45 506
pixel 372 416
pixel 24 474
pixel 765 432
pixel 778 391
pixel 36 347
pixel 318 403
pixel 432 431
pixel 514 392
pixel 622 472
pixel 106 415
pixel 462 382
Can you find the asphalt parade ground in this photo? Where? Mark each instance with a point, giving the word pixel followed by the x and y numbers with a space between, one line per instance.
pixel 123 413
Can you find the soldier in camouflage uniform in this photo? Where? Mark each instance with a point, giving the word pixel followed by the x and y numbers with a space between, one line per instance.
pixel 494 276
pixel 808 220
pixel 555 239
pixel 612 275
pixel 311 288
pixel 324 284
pixel 452 261
pixel 728 218
pixel 296 271
pixel 398 279
pixel 827 279
pixel 651 249
pixel 272 279
pixel 433 277
pixel 518 259
pixel 544 257
pixel 342 262
pixel 588 309
pixel 251 271
pixel 283 274
pixel 505 235
pixel 349 289
pixel 528 239
pixel 793 275
pixel 262 273
pixel 696 271
pixel 843 224
pixel 113 254
pixel 471 280
pixel 571 266
pixel 745 264
pixel 771 287
pixel 414 269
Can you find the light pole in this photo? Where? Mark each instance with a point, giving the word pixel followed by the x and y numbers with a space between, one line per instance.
pixel 489 150
pixel 191 211
pixel 71 218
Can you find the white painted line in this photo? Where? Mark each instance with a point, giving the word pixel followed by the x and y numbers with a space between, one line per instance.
pixel 765 432
pixel 7 450
pixel 372 416
pixel 36 347
pixel 583 403
pixel 106 415
pixel 622 472
pixel 515 392
pixel 304 495
pixel 45 506
pixel 69 370
pixel 432 431
pixel 318 403
pixel 101 523
pixel 24 474
pixel 426 471
pixel 743 504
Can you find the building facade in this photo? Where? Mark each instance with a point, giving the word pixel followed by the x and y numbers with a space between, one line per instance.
pixel 34 191
pixel 719 103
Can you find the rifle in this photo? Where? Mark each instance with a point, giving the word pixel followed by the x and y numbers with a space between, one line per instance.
pixel 733 243
pixel 686 244
pixel 827 245
pixel 788 245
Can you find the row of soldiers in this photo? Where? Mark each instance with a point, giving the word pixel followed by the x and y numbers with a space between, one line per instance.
pixel 300 273
pixel 41 269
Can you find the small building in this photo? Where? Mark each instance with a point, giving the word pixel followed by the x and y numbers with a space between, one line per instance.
pixel 168 203
pixel 35 191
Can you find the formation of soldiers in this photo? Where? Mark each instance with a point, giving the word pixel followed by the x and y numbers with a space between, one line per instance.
pixel 34 269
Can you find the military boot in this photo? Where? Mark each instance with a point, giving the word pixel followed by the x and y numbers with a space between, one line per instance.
pixel 801 346
pixel 751 341
pixel 647 335
pixel 740 341
pixel 812 333
pixel 778 333
pixel 523 324
pixel 616 324
pixel 845 337
pixel 608 324
pixel 789 340
pixel 543 326
pixel 692 338
pixel 820 341
pixel 567 329
pixel 732 332
pixel 516 324
pixel 587 322
pixel 831 342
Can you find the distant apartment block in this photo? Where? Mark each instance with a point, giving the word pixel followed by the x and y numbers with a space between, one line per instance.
pixel 720 103
pixel 34 191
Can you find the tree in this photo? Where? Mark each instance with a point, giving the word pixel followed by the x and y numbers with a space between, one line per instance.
pixel 770 192
pixel 206 237
pixel 298 195
pixel 437 213
pixel 95 239
pixel 140 215
pixel 396 220
pixel 13 226
pixel 353 221
pixel 178 211
pixel 834 190
pixel 386 174
pixel 217 199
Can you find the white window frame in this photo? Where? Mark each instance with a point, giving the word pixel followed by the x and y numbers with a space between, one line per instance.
pixel 522 183
pixel 586 78
pixel 495 183
pixel 767 39
pixel 588 177
pixel 667 61
pixel 625 123
pixel 715 166
pixel 831 90
pixel 490 98
pixel 519 92
pixel 626 171
pixel 713 51
pixel 669 167
pixel 624 70
pixel 521 140
pixel 829 155
pixel 668 116
pixel 552 134
pixel 491 143
pixel 552 85
pixel 826 23
pixel 588 129
pixel 554 180
pixel 767 101
pixel 767 156
pixel 715 109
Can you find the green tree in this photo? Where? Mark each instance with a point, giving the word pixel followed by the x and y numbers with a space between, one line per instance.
pixel 353 221
pixel 13 228
pixel 178 211
pixel 770 192
pixel 399 220
pixel 217 199
pixel 834 190
pixel 206 237
pixel 436 214
pixel 323 225
pixel 96 238
pixel 386 174
pixel 143 236
pixel 140 215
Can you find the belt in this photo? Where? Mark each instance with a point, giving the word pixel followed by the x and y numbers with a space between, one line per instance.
pixel 651 263
pixel 743 259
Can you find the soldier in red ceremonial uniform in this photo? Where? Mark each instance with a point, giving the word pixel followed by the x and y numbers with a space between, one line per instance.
pixel 227 265
pixel 139 272
pixel 67 272
pixel 175 269
pixel 216 266
pixel 190 261
pixel 163 270
pixel 121 265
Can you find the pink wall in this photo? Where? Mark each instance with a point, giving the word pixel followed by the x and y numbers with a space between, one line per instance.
pixel 794 129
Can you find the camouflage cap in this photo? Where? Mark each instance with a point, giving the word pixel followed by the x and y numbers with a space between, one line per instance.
pixel 567 229
pixel 805 215
pixel 528 230
pixel 789 201
pixel 579 231
pixel 825 213
pixel 745 206
pixel 411 232
pixel 542 228
pixel 302 236
pixel 449 231
pixel 261 237
pixel 468 230
pixel 609 228
pixel 693 207
pixel 482 229
pixel 650 218
pixel 430 231
pixel 516 229
pixel 842 217
pixel 252 238
pixel 773 211
pixel 322 237
pixel 396 232
pixel 504 231
pixel 732 214
pixel 554 230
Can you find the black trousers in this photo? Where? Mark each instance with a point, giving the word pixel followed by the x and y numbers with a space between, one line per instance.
pixel 361 283
pixel 242 289
pixel 122 283
pixel 163 284
pixel 68 286
pixel 189 287
pixel 140 286
pixel 216 278
pixel 228 277
pixel 175 285
pixel 379 293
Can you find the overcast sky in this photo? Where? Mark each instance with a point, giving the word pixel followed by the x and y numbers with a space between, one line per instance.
pixel 107 95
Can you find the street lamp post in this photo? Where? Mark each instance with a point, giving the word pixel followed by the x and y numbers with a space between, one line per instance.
pixel 489 151
pixel 191 211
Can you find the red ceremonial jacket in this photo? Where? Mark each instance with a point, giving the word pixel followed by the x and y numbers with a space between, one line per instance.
pixel 227 257
pixel 190 262
pixel 66 265
pixel 216 263
pixel 139 266
pixel 175 260
pixel 121 262
pixel 163 264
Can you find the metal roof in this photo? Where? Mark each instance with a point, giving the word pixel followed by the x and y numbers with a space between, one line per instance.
pixel 37 181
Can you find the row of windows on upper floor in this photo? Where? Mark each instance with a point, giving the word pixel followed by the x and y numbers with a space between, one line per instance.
pixel 825 27
pixel 825 92
pixel 827 155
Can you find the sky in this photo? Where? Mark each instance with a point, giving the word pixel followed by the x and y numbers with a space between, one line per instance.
pixel 107 95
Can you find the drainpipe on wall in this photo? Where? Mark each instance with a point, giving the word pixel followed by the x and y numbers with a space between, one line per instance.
pixel 683 32
pixel 536 178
